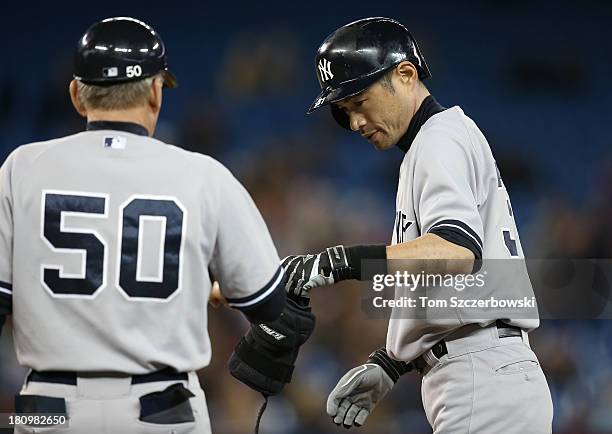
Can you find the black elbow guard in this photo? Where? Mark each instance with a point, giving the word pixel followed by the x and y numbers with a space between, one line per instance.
pixel 265 357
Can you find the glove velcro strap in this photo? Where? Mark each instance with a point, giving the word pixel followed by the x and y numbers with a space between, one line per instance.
pixel 393 368
pixel 341 270
pixel 267 366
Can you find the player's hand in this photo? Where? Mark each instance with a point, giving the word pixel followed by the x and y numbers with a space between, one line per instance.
pixel 357 393
pixel 305 272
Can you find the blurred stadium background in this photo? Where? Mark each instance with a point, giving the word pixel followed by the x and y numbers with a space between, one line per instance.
pixel 533 75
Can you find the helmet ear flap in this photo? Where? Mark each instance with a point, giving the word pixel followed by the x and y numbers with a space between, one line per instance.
pixel 341 117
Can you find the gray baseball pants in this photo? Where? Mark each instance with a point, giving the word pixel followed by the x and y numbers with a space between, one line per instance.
pixel 486 385
pixel 104 405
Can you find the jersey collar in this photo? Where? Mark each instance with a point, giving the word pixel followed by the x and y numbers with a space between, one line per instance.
pixel 128 127
pixel 428 108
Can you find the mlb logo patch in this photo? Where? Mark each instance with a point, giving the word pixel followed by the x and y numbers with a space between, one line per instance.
pixel 115 142
pixel 110 72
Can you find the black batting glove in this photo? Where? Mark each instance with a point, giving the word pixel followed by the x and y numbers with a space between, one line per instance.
pixel 305 272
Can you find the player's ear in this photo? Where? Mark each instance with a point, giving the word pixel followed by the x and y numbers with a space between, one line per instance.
pixel 155 99
pixel 73 89
pixel 407 72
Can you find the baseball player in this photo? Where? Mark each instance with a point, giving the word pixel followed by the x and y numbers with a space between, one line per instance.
pixel 109 242
pixel 478 376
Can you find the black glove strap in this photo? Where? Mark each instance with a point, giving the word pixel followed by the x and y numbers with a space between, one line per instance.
pixel 269 367
pixel 338 261
pixel 393 368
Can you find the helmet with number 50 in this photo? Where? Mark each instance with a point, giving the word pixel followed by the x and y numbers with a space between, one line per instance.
pixel 119 50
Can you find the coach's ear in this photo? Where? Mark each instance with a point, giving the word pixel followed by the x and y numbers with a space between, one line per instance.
pixel 155 98
pixel 74 90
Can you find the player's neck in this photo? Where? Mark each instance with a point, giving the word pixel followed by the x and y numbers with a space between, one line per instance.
pixel 414 101
pixel 135 115
pixel 421 94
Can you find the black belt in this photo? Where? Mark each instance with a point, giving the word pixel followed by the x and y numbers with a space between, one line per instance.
pixel 70 377
pixel 440 349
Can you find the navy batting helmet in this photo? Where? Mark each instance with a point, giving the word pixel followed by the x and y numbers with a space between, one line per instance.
pixel 356 55
pixel 119 50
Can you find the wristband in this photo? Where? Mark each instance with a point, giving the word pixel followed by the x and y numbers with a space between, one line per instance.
pixel 377 254
pixel 393 368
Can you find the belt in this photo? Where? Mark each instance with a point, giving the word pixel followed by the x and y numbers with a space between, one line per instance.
pixel 70 377
pixel 440 349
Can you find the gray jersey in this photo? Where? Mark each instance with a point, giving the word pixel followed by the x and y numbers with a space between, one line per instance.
pixel 449 183
pixel 108 240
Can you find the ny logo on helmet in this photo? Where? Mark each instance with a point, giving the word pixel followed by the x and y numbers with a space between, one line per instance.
pixel 325 70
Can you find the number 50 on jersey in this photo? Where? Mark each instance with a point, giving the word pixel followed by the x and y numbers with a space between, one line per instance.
pixel 168 212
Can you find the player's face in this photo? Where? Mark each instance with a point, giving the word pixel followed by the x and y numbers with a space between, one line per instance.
pixel 378 114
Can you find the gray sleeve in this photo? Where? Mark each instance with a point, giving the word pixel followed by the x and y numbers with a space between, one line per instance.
pixel 6 236
pixel 245 261
pixel 445 191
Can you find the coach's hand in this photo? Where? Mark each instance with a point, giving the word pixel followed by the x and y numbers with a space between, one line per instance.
pixel 216 299
pixel 357 393
pixel 305 272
